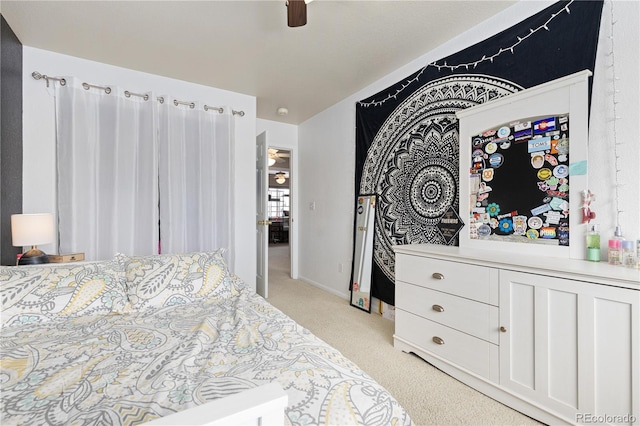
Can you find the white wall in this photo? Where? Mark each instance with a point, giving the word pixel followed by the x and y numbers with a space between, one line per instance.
pixel 602 165
pixel 327 197
pixel 39 172
pixel 327 146
pixel 285 136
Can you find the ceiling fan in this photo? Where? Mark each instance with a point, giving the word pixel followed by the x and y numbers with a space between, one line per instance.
pixel 277 157
pixel 297 12
pixel 281 177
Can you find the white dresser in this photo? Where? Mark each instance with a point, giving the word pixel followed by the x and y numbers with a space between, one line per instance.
pixel 557 339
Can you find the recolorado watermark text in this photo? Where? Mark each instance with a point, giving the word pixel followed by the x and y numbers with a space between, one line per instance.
pixel 589 418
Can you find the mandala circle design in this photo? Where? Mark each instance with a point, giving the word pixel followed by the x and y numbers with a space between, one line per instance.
pixel 413 161
pixel 430 191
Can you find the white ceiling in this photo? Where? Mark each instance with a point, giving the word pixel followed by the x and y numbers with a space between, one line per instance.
pixel 246 46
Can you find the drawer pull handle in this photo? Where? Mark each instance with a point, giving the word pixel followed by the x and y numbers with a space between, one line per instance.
pixel 503 329
pixel 437 276
pixel 437 308
pixel 438 340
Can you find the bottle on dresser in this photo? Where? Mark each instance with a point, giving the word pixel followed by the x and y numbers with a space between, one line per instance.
pixel 629 253
pixel 593 243
pixel 615 247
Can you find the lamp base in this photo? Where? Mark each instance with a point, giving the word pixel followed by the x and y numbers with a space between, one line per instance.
pixel 33 257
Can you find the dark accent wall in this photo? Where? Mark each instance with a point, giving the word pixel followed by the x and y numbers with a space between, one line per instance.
pixel 10 138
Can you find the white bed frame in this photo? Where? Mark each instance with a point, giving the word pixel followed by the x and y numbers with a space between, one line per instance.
pixel 259 406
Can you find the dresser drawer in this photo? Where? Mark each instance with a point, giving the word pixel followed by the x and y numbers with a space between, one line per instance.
pixel 469 281
pixel 461 349
pixel 475 318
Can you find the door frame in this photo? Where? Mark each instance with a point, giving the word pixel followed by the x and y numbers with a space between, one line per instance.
pixel 262 215
pixel 293 213
pixel 293 206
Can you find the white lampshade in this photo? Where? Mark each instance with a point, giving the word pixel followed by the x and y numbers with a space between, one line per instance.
pixel 32 229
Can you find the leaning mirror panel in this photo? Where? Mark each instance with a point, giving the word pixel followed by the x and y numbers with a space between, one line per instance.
pixel 363 252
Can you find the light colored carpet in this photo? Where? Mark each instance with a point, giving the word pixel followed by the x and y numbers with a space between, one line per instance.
pixel 430 396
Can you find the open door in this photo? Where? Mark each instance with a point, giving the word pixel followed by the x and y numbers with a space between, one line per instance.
pixel 262 216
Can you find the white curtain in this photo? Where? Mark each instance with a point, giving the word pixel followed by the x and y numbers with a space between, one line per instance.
pixel 195 169
pixel 107 172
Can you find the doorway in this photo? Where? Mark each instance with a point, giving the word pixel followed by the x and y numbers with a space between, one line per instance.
pixel 276 210
pixel 279 207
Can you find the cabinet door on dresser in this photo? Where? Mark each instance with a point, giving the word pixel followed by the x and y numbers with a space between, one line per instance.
pixel 571 346
pixel 611 322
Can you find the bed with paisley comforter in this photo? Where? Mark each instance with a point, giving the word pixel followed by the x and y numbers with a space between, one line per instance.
pixel 129 340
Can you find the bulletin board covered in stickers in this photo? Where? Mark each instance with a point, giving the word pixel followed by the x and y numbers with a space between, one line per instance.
pixel 519 182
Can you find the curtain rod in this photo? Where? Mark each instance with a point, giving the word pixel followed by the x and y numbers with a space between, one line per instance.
pixel 144 96
pixel 63 82
pixel 88 86
pixel 37 76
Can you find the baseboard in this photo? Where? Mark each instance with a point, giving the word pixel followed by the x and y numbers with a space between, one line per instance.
pixel 325 288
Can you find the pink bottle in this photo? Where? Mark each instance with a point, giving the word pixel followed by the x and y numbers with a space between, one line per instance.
pixel 615 252
pixel 615 247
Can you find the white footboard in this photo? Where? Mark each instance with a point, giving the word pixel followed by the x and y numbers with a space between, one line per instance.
pixel 259 406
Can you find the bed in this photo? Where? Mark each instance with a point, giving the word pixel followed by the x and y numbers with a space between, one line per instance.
pixel 172 339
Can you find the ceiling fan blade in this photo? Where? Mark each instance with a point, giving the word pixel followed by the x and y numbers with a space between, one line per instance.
pixel 296 13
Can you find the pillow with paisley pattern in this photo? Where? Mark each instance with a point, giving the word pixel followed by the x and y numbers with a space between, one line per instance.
pixel 170 279
pixel 40 293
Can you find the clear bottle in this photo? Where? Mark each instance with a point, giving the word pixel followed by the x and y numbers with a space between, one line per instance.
pixel 629 253
pixel 615 247
pixel 593 243
pixel 615 252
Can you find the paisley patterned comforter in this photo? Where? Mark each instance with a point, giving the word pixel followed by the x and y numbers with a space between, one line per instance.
pixel 132 367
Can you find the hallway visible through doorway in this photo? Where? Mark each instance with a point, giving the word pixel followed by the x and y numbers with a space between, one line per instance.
pixel 279 209
pixel 279 261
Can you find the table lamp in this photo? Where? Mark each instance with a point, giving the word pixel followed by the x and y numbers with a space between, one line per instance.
pixel 31 230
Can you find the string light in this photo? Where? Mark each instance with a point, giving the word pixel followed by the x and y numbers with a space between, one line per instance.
pixel 473 64
pixel 615 119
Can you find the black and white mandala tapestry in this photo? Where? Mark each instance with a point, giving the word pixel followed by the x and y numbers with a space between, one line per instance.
pixel 407 150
